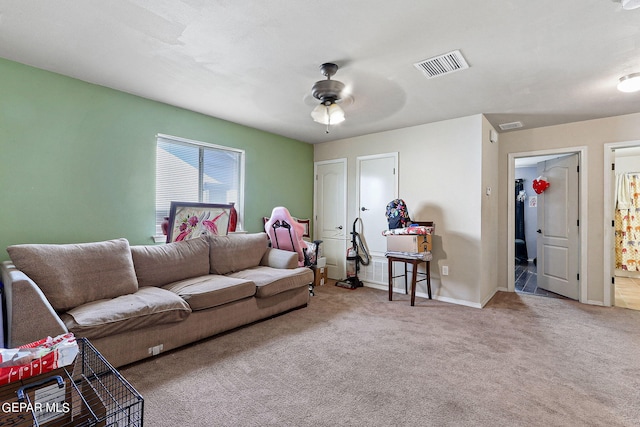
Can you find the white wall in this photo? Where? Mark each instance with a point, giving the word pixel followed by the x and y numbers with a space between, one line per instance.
pixel 441 178
pixel 592 134
pixel 489 242
pixel 445 168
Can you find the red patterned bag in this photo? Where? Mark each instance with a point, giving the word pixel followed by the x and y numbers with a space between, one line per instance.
pixel 37 358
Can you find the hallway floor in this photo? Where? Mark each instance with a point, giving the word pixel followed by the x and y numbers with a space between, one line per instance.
pixel 628 292
pixel 527 278
pixel 627 289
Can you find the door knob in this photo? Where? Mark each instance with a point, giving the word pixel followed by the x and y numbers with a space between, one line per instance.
pixel 339 227
pixel 539 231
pixel 363 209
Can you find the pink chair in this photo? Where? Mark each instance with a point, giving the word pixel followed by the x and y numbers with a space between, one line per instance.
pixel 286 233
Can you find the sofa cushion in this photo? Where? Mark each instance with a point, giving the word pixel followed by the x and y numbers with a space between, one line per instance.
pixel 270 281
pixel 212 290
pixel 158 265
pixel 147 307
pixel 236 252
pixel 73 274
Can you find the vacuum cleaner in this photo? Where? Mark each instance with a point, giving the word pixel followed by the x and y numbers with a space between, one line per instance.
pixel 354 259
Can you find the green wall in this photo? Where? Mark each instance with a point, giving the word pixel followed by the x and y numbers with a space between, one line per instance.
pixel 77 161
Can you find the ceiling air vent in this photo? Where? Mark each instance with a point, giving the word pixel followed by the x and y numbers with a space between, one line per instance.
pixel 442 64
pixel 512 125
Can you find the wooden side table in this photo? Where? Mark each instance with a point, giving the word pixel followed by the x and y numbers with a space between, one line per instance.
pixel 415 262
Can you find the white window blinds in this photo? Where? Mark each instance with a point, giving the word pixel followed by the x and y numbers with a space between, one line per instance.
pixel 192 171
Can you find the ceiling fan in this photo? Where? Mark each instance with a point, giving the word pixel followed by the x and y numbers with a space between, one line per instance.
pixel 330 94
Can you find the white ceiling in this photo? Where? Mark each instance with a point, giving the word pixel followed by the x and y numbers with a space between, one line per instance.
pixel 541 62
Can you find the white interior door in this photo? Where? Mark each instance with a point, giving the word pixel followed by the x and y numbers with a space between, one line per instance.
pixel 377 186
pixel 558 242
pixel 330 214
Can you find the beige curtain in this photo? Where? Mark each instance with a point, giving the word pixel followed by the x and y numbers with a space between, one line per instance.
pixel 627 222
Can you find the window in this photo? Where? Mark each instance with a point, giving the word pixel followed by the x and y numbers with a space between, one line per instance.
pixel 192 171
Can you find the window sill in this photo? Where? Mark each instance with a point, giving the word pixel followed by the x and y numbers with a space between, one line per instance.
pixel 159 239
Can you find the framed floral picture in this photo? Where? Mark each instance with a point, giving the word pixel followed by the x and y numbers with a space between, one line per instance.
pixel 191 220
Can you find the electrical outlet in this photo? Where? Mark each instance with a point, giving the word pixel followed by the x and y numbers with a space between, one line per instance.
pixel 445 270
pixel 156 350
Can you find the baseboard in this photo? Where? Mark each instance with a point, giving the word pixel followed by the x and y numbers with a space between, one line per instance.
pixel 600 303
pixel 458 302
pixel 424 295
pixel 488 298
pixel 377 286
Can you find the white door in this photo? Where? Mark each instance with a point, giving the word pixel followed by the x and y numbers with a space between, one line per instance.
pixel 377 186
pixel 330 214
pixel 558 240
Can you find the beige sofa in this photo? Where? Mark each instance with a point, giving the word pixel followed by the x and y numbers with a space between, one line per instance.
pixel 133 302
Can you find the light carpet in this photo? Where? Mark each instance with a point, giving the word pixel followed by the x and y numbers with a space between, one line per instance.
pixel 352 358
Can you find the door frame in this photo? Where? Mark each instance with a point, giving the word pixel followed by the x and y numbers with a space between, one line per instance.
pixel 582 215
pixel 343 161
pixel 609 243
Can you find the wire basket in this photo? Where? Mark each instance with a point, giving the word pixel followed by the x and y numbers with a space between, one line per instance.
pixel 89 392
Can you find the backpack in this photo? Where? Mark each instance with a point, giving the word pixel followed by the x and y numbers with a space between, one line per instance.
pixel 397 214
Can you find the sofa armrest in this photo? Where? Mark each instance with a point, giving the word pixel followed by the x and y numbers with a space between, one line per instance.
pixel 30 316
pixel 278 258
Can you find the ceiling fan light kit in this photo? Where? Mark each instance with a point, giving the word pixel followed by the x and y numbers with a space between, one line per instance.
pixel 331 114
pixel 328 92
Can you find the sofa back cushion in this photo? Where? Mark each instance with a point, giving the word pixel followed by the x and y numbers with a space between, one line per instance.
pixel 236 252
pixel 163 264
pixel 73 274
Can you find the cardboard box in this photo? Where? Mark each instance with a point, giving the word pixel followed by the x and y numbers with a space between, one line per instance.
pixel 320 276
pixel 414 243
